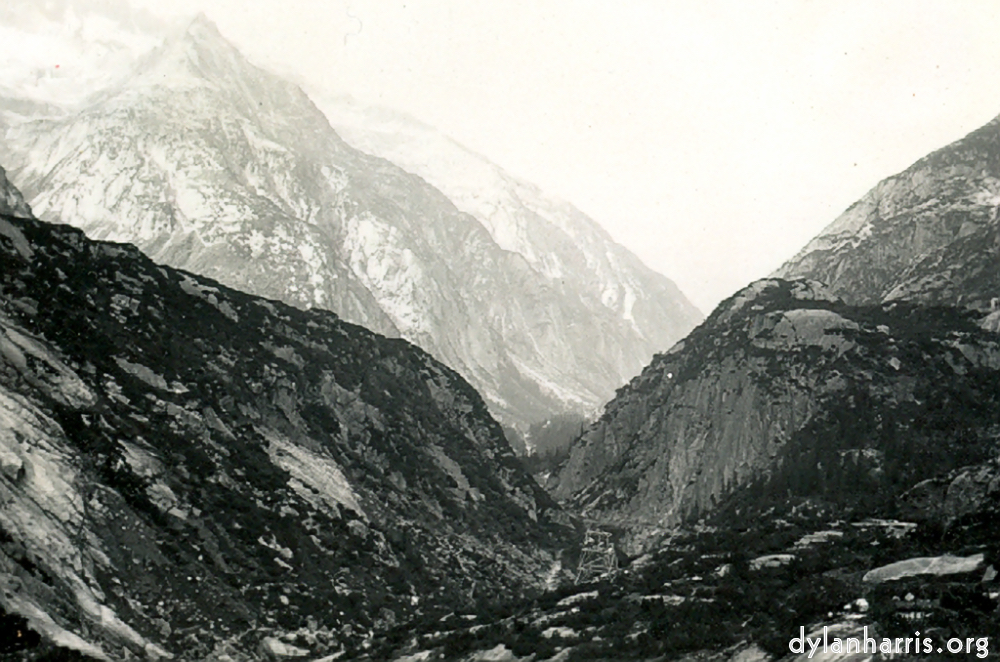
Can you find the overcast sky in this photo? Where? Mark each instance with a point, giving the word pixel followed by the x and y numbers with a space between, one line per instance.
pixel 711 138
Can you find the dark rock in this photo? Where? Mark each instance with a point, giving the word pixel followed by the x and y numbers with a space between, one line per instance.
pixel 212 165
pixel 185 465
pixel 788 389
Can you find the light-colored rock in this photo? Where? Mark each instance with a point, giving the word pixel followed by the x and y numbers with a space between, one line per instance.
pixel 107 457
pixel 926 565
pixel 771 561
pixel 279 650
pixel 721 409
pixel 991 322
pixel 930 233
pixel 752 653
pixel 12 204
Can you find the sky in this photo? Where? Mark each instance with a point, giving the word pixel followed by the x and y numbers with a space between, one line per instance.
pixel 712 138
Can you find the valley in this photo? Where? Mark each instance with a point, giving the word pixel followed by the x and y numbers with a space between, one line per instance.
pixel 184 464
pixel 213 165
pixel 286 377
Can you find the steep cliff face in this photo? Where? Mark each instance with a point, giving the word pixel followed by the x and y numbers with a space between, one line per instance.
pixel 930 233
pixel 786 385
pixel 11 201
pixel 212 165
pixel 188 470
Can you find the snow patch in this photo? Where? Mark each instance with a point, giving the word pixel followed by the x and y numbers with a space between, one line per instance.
pixel 390 271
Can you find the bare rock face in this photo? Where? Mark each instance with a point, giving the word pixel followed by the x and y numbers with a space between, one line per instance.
pixel 11 201
pixel 930 233
pixel 212 165
pixel 188 471
pixel 969 492
pixel 786 386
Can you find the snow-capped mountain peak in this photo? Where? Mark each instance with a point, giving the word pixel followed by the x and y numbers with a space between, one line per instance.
pixel 216 166
pixel 199 51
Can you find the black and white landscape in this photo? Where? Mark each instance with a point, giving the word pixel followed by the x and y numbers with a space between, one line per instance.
pixel 288 376
pixel 210 164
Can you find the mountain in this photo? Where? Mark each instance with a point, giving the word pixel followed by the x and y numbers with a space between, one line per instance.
pixel 192 472
pixel 930 233
pixel 849 358
pixel 558 240
pixel 790 391
pixel 213 165
pixel 796 467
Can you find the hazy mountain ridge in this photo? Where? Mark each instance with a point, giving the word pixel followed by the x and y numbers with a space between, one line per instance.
pixel 930 233
pixel 213 165
pixel 189 470
pixel 556 238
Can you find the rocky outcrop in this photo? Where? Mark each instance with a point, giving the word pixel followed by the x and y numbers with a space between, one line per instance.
pixel 788 386
pixel 11 201
pixel 210 164
pixel 930 233
pixel 972 491
pixel 190 471
pixel 749 591
pixel 925 565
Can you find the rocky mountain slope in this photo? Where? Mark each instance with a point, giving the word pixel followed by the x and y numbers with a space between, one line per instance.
pixel 192 472
pixel 210 164
pixel 930 233
pixel 558 240
pixel 11 201
pixel 788 388
pixel 728 591
pixel 842 465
